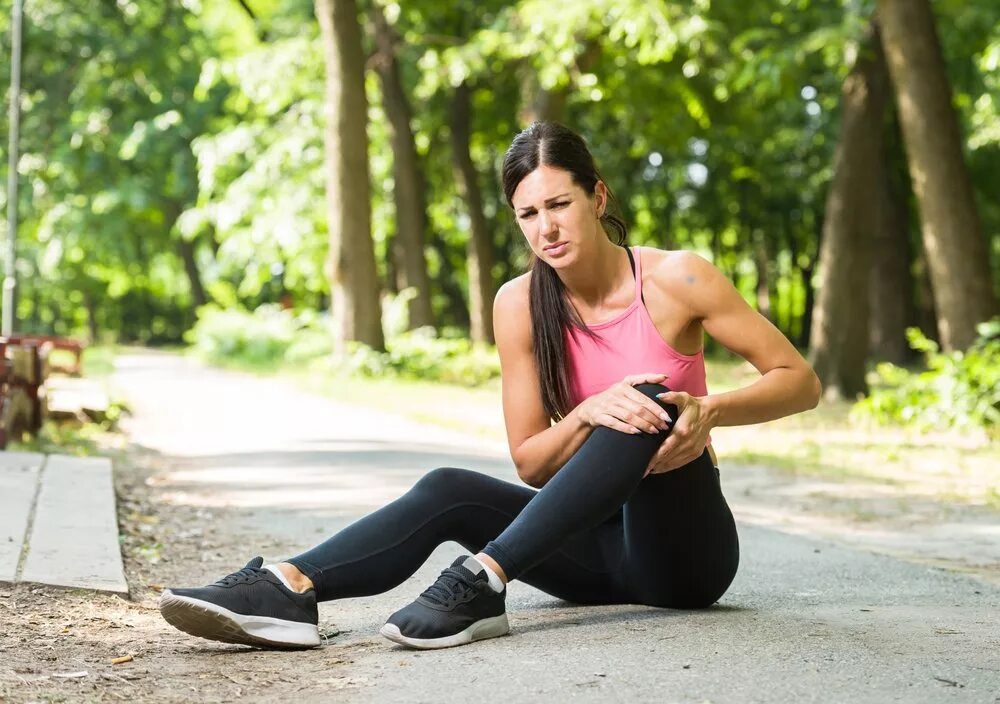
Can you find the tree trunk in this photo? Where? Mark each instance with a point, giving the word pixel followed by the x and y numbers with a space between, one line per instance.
pixel 186 250
pixel 354 290
pixel 839 343
pixel 480 262
pixel 956 248
pixel 550 105
pixel 926 307
pixel 892 308
pixel 538 104
pixel 91 308
pixel 762 265
pixel 807 273
pixel 408 191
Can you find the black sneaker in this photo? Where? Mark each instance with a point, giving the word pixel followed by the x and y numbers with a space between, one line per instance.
pixel 458 608
pixel 250 607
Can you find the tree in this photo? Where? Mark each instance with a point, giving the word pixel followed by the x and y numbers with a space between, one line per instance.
pixel 481 285
pixel 957 254
pixel 408 185
pixel 891 277
pixel 354 290
pixel 839 344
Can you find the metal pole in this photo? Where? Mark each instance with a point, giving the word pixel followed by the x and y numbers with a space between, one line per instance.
pixel 9 281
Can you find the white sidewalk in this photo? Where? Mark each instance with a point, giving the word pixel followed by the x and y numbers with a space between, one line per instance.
pixel 58 523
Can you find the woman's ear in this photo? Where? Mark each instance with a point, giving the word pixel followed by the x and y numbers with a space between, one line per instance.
pixel 600 198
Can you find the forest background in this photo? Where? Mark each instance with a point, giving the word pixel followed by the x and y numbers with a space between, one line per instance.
pixel 273 181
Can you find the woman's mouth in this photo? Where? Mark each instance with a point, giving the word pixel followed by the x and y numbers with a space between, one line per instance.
pixel 554 250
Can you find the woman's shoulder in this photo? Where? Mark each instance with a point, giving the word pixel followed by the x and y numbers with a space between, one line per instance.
pixel 514 292
pixel 511 310
pixel 670 268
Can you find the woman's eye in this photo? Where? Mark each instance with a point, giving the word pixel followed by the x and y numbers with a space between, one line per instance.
pixel 561 204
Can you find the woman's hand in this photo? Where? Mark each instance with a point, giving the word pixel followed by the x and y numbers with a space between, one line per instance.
pixel 623 408
pixel 690 434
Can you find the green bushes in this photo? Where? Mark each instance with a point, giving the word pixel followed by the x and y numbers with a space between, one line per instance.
pixel 271 337
pixel 265 338
pixel 958 390
pixel 419 354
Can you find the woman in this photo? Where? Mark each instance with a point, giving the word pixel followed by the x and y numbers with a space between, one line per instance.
pixel 607 412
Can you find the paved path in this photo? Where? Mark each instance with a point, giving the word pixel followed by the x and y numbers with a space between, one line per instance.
pixel 58 523
pixel 805 620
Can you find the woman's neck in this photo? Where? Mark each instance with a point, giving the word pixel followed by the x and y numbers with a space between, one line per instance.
pixel 596 275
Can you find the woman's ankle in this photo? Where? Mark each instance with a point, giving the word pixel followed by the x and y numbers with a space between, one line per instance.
pixel 300 583
pixel 492 565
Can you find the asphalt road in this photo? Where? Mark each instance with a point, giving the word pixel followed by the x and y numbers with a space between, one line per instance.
pixel 805 620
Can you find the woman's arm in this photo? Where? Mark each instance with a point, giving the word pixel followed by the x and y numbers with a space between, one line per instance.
pixel 787 384
pixel 538 447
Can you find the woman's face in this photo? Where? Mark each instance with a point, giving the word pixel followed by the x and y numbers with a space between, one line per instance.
pixel 557 216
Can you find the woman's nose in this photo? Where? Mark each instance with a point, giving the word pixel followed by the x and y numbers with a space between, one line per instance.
pixel 544 223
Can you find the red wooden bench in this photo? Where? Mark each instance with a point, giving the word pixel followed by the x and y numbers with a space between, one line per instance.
pixel 47 343
pixel 21 396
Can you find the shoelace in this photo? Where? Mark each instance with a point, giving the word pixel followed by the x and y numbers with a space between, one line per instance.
pixel 243 575
pixel 444 589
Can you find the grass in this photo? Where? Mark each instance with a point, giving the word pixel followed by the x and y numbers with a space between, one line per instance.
pixel 64 438
pixel 825 442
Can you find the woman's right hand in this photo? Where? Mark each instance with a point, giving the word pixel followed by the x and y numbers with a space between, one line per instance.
pixel 622 407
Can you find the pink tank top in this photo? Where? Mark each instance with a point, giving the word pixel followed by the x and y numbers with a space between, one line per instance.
pixel 627 344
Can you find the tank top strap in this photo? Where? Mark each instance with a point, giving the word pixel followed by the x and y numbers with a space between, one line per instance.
pixel 634 256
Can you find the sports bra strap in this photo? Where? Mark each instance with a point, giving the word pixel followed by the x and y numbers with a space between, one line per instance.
pixel 636 272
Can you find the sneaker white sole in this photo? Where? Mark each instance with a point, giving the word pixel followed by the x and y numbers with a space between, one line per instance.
pixel 207 620
pixel 480 630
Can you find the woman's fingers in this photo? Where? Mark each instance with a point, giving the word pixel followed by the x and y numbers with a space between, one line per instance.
pixel 637 416
pixel 649 405
pixel 649 378
pixel 610 421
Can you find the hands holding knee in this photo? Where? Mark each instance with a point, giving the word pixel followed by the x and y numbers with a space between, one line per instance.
pixel 624 408
pixel 690 434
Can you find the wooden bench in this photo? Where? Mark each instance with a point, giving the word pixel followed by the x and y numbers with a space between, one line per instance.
pixel 21 394
pixel 47 343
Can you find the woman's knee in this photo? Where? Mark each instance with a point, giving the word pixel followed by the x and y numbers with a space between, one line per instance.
pixel 449 481
pixel 444 476
pixel 652 390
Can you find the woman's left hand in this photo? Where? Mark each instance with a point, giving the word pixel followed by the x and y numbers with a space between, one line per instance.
pixel 689 435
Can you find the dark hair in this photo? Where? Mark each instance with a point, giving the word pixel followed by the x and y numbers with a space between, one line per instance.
pixel 551 144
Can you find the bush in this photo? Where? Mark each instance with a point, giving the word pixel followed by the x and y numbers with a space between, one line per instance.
pixel 958 390
pixel 270 337
pixel 421 354
pixel 266 337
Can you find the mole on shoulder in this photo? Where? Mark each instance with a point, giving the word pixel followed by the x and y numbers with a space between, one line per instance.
pixel 690 279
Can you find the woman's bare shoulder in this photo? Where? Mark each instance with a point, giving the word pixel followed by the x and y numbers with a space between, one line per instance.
pixel 669 268
pixel 513 297
pixel 511 313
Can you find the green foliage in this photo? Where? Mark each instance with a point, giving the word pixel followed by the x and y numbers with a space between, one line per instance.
pixel 421 354
pixel 264 338
pixel 165 142
pixel 959 390
pixel 270 337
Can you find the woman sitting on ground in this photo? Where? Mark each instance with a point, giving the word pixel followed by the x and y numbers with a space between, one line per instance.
pixel 607 413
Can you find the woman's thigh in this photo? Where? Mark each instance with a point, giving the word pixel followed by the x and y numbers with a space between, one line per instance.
pixel 681 547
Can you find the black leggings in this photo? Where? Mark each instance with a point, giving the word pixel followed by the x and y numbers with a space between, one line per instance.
pixel 596 533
